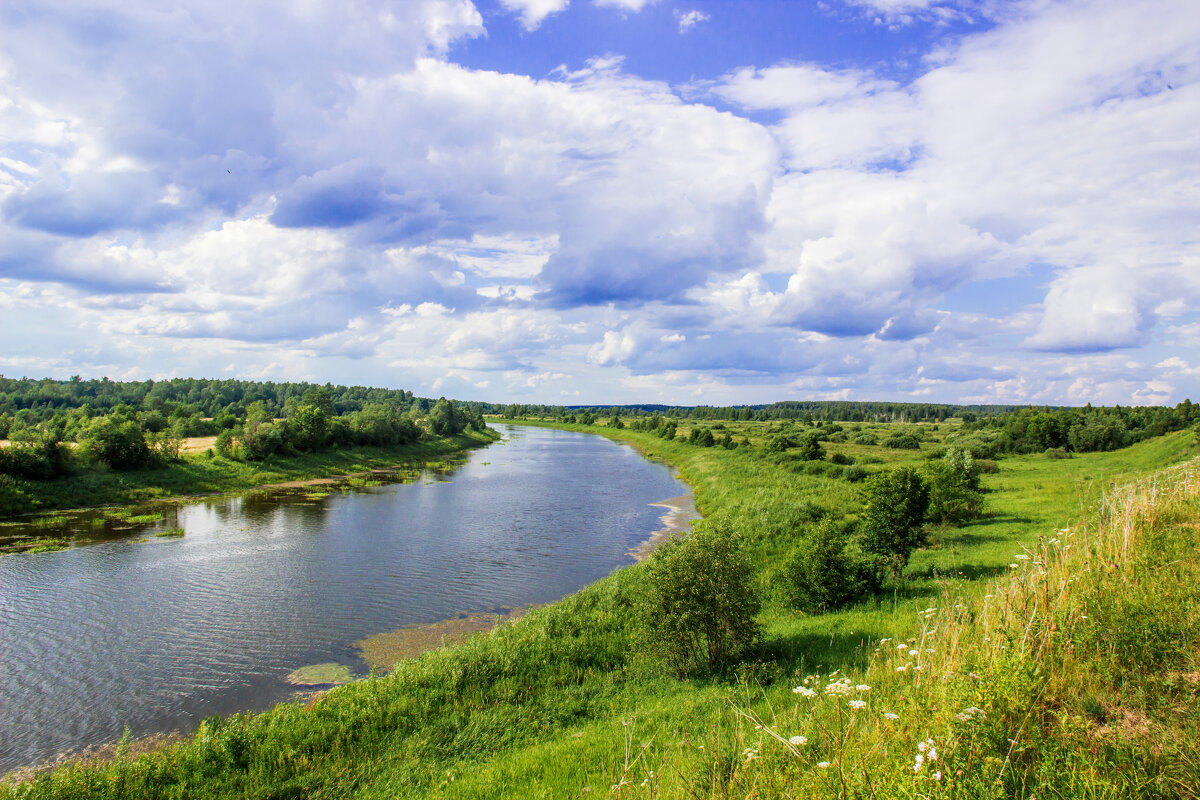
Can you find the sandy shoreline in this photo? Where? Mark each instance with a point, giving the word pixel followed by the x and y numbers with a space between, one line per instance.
pixel 681 513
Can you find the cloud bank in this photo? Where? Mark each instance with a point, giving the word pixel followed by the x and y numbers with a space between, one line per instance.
pixel 320 191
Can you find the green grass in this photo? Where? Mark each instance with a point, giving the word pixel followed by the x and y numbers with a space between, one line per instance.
pixel 563 704
pixel 170 533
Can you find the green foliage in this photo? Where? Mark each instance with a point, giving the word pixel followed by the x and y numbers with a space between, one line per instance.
pixel 810 448
pixel 700 604
pixel 116 441
pixel 953 481
pixel 446 419
pixel 825 574
pixel 13 498
pixel 854 473
pixel 225 445
pixel 895 505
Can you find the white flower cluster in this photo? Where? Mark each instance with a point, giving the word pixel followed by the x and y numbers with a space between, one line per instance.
pixel 798 741
pixel 839 688
pixel 968 714
pixel 926 752
pixel 804 691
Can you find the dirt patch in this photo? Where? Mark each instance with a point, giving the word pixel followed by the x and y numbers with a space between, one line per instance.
pixel 383 650
pixel 197 444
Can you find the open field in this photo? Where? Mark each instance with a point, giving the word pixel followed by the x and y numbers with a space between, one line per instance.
pixel 1071 674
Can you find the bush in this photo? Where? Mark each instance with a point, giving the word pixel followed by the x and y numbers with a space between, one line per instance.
pixel 810 449
pixel 1057 453
pixel 225 444
pixel 902 441
pixel 824 574
pixel 117 442
pixel 953 483
pixel 13 499
pixel 854 473
pixel 840 458
pixel 865 439
pixel 700 605
pixel 896 503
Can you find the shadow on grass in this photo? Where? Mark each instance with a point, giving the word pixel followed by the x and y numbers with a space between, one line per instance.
pixel 810 651
pixel 971 572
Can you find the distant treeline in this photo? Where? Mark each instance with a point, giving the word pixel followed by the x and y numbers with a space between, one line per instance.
pixel 58 428
pixel 37 400
pixel 803 410
pixel 1080 430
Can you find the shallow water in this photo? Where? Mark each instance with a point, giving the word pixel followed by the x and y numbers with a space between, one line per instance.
pixel 155 634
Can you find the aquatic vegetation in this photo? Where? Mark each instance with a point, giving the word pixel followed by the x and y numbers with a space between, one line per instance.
pixel 170 533
pixel 321 675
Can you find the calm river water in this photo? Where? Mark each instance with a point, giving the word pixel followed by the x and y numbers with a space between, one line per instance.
pixel 157 633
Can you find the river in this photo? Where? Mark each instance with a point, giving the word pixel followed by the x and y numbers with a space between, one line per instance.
pixel 152 634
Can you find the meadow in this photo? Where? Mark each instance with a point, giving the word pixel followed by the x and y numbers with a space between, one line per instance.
pixel 1049 648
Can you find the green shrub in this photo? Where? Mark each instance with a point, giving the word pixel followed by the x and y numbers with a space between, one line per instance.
pixel 953 483
pixel 840 458
pixel 854 473
pixel 865 439
pixel 13 499
pixel 824 574
pixel 902 441
pixel 700 605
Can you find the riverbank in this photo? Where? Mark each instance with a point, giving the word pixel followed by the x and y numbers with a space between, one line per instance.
pixel 204 474
pixel 565 702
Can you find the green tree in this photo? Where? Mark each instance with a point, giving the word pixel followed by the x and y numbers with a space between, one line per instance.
pixel 308 428
pixel 700 605
pixel 896 502
pixel 445 419
pixel 117 441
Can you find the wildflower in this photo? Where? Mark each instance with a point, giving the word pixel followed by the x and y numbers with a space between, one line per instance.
pixel 858 704
pixel 914 653
pixel 902 668
pixel 937 776
pixel 890 715
pixel 918 762
pixel 798 741
pixel 930 650
pixel 1021 557
pixel 932 754
pixel 824 764
pixel 1013 565
pixel 922 746
pixel 902 646
pixel 862 687
pixel 804 691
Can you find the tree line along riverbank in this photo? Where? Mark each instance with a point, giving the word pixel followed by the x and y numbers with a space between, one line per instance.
pixel 1025 668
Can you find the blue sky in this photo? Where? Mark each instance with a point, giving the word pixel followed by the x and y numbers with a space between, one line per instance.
pixel 608 201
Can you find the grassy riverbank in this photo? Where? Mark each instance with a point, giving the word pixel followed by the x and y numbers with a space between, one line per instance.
pixel 1079 664
pixel 202 473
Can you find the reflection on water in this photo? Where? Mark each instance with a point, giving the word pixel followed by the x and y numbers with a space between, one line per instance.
pixel 158 633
